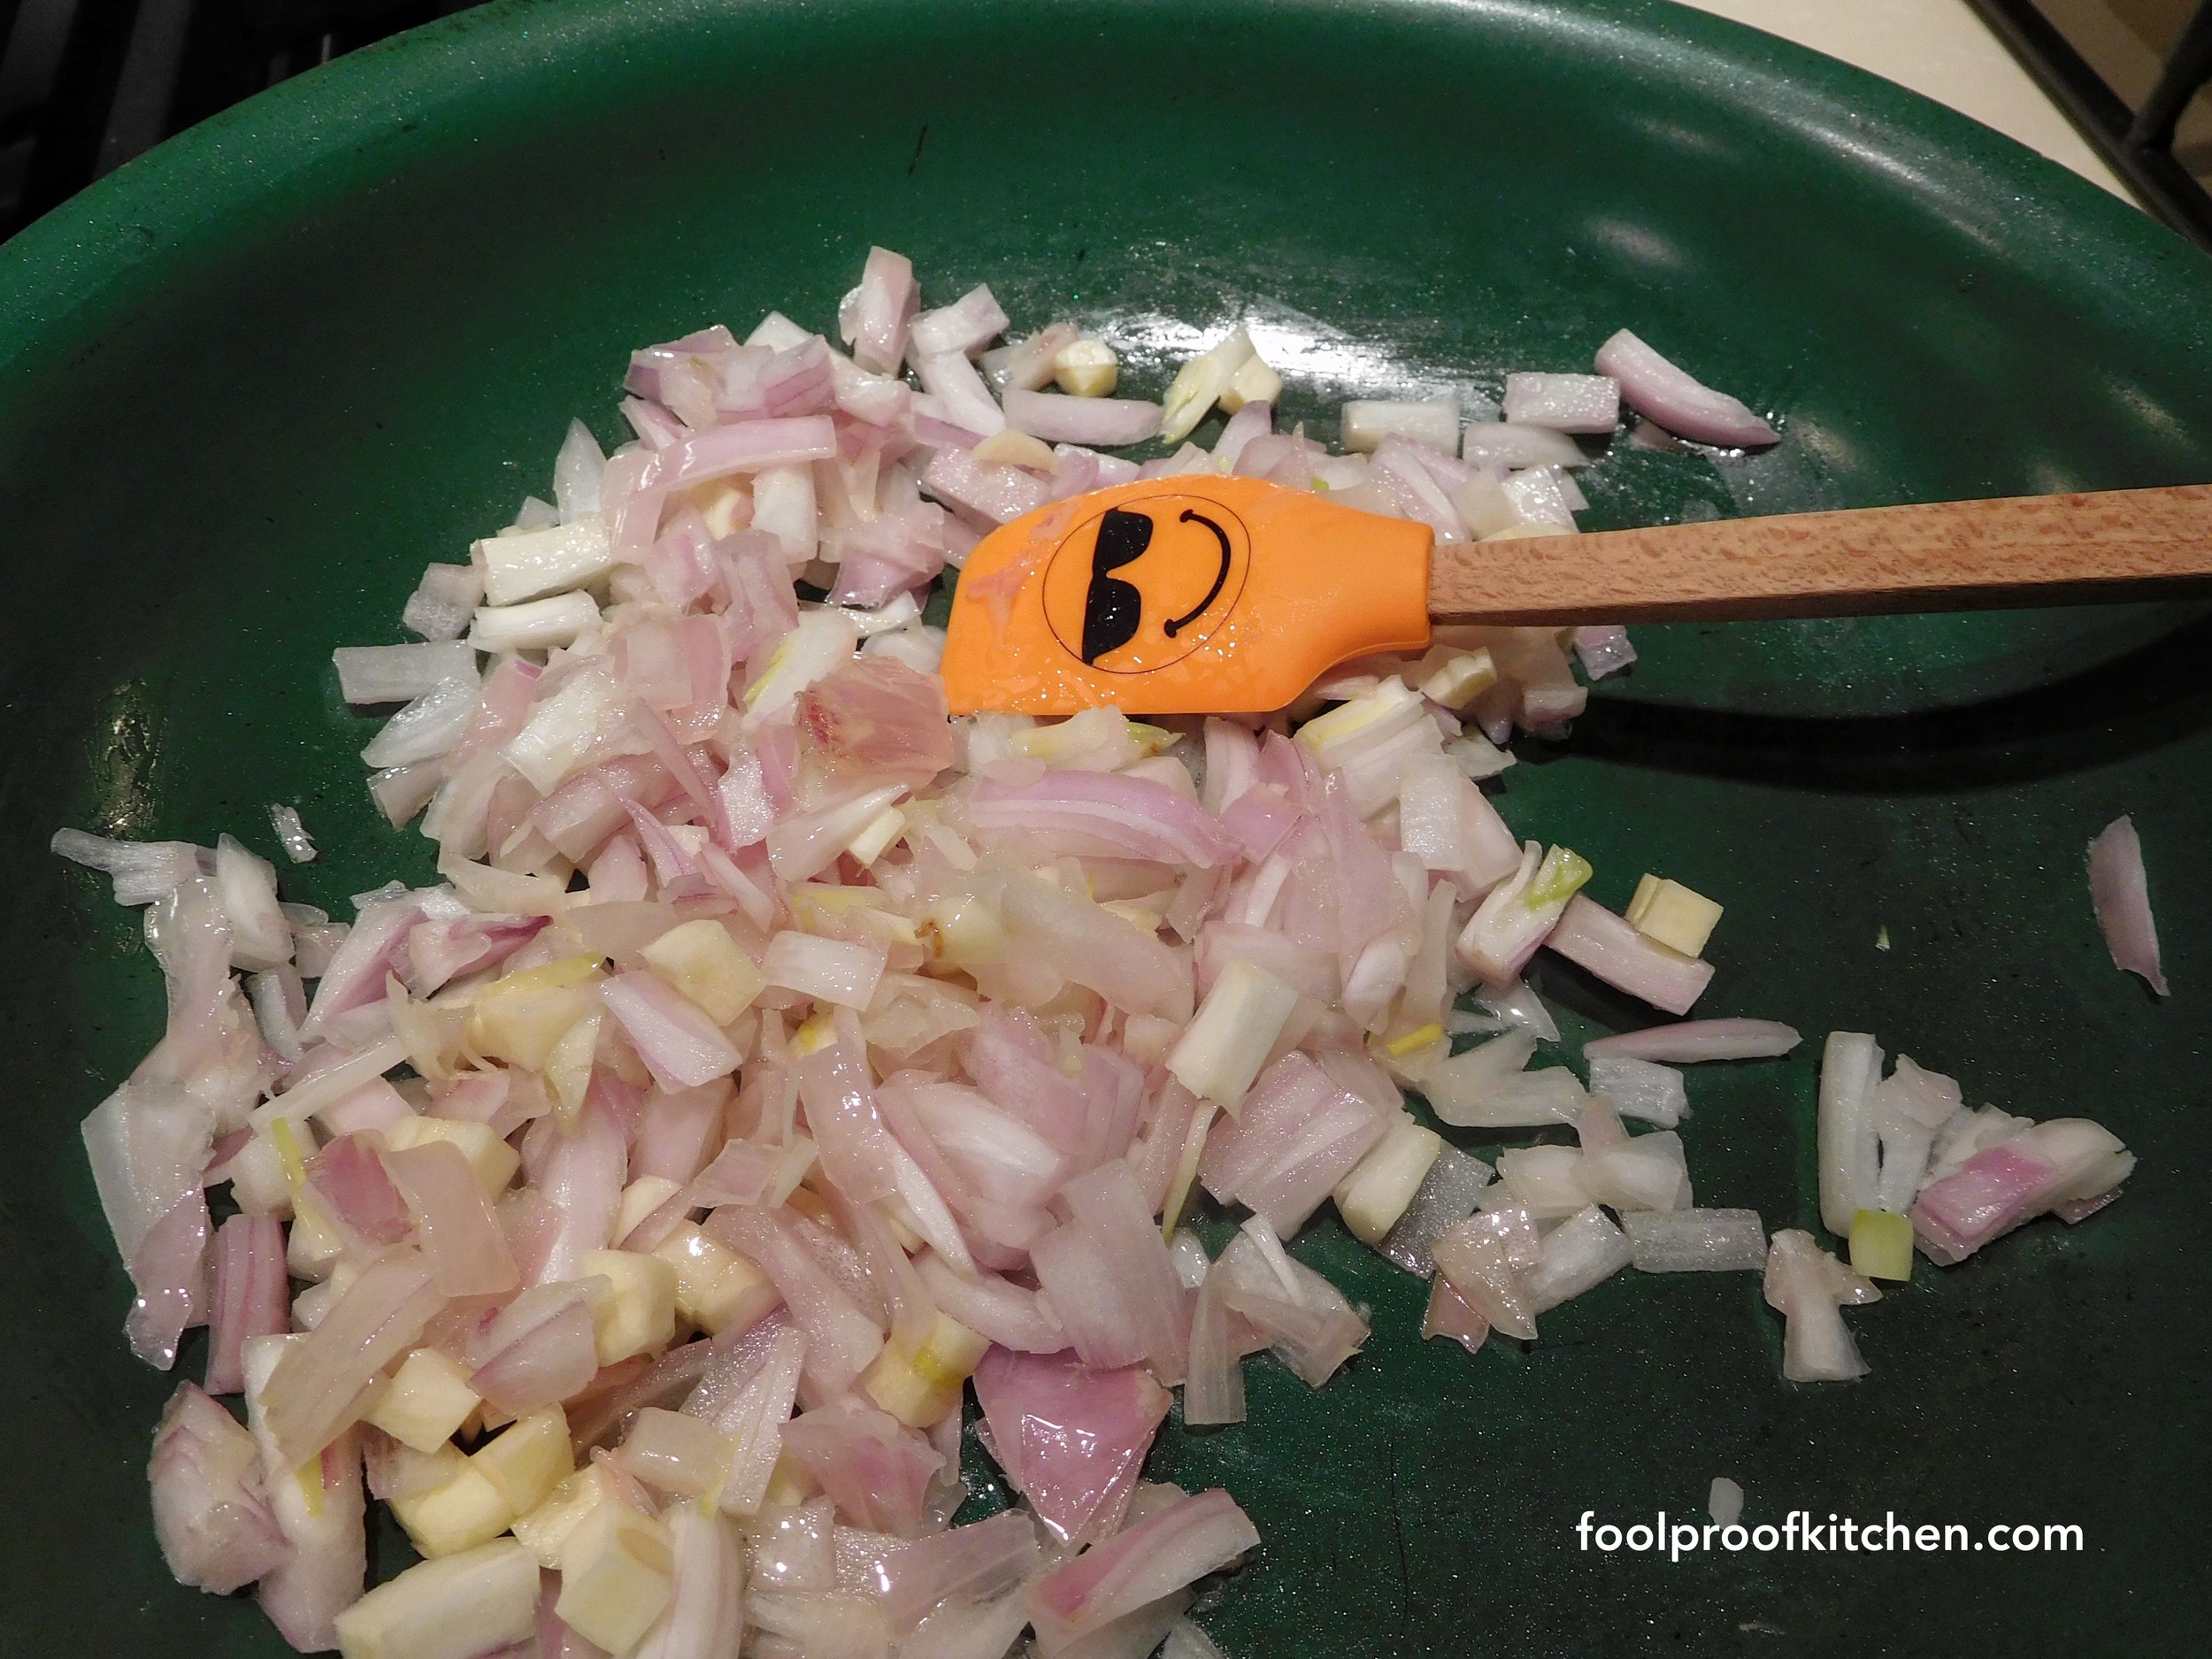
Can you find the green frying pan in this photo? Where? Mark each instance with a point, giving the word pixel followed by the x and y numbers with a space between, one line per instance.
pixel 256 381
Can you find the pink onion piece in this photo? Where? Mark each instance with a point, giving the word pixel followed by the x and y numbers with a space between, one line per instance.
pixel 582 1173
pixel 1071 1439
pixel 459 1235
pixel 1297 1135
pixel 875 317
pixel 1086 943
pixel 210 1513
pixel 1102 423
pixel 871 722
pixel 253 1296
pixel 539 1349
pixel 1107 815
pixel 840 1338
pixel 1656 390
pixel 1695 1040
pixel 2121 896
pixel 999 494
pixel 856 1149
pixel 1110 1279
pixel 2060 1163
pixel 966 325
pixel 750 446
pixel 995 1308
pixel 438 951
pixel 355 974
pixel 876 1469
pixel 680 1045
pixel 959 392
pixel 169 1269
pixel 1161 1554
pixel 753 1414
pixel 320 1387
pixel 353 1192
pixel 1594 938
pixel 1451 1315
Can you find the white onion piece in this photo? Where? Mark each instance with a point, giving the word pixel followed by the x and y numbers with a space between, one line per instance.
pixel 1678 401
pixel 537 625
pixel 1696 1039
pixel 141 871
pixel 577 470
pixel 1458 1084
pixel 1603 650
pixel 1849 1145
pixel 1809 1288
pixel 2121 896
pixel 1639 1088
pixel 1445 1198
pixel 1564 403
pixel 1575 1255
pixel 534 563
pixel 1516 1005
pixel 1696 1240
pixel 1366 423
pixel 1531 1100
pixel 1213 1387
pixel 1639 1172
pixel 966 325
pixel 443 602
pixel 1547 1181
pixel 328 1566
pixel 969 1630
pixel 426 727
pixel 832 971
pixel 397 673
pixel 292 835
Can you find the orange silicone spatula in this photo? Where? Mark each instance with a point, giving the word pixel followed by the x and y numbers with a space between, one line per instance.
pixel 1200 593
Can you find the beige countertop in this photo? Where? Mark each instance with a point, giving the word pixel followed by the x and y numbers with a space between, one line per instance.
pixel 1939 49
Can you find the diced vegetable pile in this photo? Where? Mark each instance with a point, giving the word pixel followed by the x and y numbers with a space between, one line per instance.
pixel 776 1060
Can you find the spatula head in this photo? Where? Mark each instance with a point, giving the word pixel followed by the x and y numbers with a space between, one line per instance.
pixel 1180 596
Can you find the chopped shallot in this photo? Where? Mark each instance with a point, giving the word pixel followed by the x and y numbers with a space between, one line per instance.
pixel 789 1058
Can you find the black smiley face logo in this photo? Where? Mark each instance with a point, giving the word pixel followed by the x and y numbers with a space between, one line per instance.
pixel 1190 555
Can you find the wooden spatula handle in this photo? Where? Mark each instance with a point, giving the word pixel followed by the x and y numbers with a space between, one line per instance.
pixel 1948 555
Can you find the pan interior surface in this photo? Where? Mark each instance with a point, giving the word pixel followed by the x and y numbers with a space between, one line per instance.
pixel 259 379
